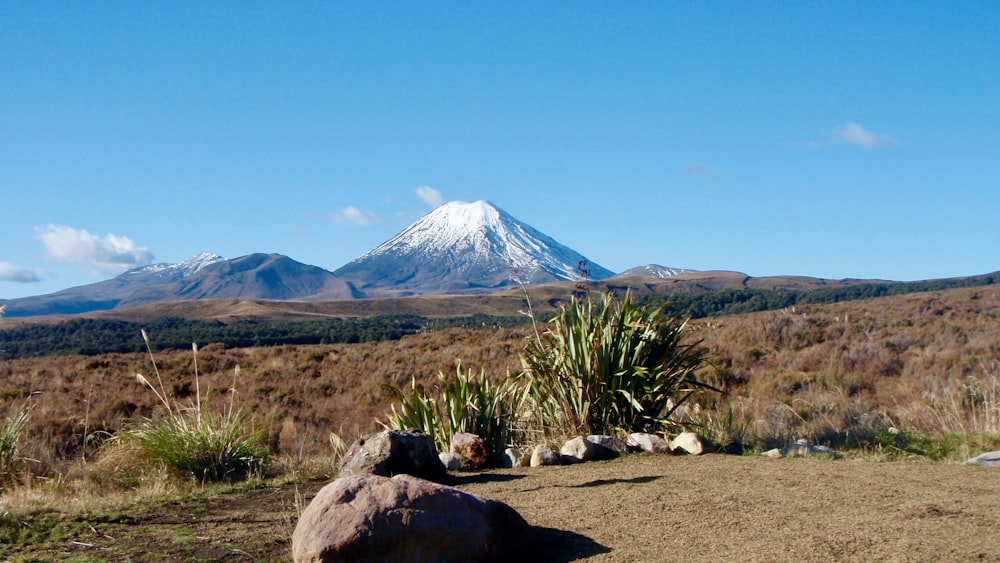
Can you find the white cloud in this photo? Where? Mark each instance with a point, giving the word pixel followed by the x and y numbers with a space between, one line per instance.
pixel 10 272
pixel 429 195
pixel 855 134
pixel 351 215
pixel 110 254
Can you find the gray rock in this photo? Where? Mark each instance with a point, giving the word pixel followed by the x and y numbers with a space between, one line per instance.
pixel 391 452
pixel 543 455
pixel 374 518
pixel 691 443
pixel 514 457
pixel 607 447
pixel 774 453
pixel 578 450
pixel 472 448
pixel 802 448
pixel 648 443
pixel 988 459
pixel 452 462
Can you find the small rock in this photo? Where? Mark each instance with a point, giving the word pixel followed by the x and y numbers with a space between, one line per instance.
pixel 512 457
pixel 802 448
pixel 607 447
pixel 732 447
pixel 648 443
pixel 773 453
pixel 452 462
pixel 578 450
pixel 472 448
pixel 690 443
pixel 543 455
pixel 988 459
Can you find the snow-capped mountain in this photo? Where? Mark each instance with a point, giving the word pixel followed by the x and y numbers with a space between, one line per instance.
pixel 107 294
pixel 178 270
pixel 255 276
pixel 653 271
pixel 465 246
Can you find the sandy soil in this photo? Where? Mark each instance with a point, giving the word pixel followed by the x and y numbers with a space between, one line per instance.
pixel 639 508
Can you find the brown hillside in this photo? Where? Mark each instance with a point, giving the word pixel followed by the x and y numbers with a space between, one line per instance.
pixel 926 362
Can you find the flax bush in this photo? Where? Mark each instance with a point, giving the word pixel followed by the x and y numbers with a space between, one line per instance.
pixel 465 402
pixel 611 367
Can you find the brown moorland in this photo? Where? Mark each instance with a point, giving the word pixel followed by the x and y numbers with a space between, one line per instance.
pixel 925 362
pixel 843 374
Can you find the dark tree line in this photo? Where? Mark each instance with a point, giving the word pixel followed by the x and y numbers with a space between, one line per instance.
pixel 95 336
pixel 737 301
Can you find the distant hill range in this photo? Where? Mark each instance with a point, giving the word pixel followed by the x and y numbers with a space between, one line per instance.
pixel 457 249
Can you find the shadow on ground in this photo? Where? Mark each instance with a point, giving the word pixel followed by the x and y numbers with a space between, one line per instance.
pixel 469 478
pixel 560 546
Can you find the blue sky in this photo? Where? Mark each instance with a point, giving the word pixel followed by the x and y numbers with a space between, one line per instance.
pixel 830 139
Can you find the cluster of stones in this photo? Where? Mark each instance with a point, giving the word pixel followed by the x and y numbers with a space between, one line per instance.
pixel 389 504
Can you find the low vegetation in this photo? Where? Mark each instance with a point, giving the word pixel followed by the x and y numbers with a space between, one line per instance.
pixel 610 368
pixel 911 376
pixel 465 402
pixel 192 440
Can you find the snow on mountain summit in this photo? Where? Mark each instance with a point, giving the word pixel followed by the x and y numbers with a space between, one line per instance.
pixel 180 269
pixel 463 245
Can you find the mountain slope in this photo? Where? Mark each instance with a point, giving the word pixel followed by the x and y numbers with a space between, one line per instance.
pixel 107 294
pixel 652 271
pixel 257 276
pixel 464 247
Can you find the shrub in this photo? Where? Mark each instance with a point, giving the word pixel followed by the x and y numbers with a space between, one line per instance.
pixel 617 366
pixel 466 403
pixel 10 438
pixel 195 442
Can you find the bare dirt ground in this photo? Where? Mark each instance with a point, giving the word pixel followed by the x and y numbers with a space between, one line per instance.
pixel 640 508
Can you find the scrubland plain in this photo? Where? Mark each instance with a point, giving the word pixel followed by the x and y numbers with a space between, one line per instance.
pixel 910 378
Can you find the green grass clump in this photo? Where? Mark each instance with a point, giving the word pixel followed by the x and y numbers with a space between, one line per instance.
pixel 210 447
pixel 195 442
pixel 11 431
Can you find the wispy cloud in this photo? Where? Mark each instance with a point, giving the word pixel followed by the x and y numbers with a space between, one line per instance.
pixel 701 170
pixel 429 195
pixel 110 254
pixel 353 216
pixel 856 134
pixel 10 272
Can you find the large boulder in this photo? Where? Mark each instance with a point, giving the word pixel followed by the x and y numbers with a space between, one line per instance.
pixel 472 448
pixel 374 518
pixel 391 452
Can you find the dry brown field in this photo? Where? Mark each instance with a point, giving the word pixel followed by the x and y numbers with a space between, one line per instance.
pixel 926 363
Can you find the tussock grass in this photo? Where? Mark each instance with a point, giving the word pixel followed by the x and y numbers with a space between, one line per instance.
pixel 11 431
pixel 195 442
